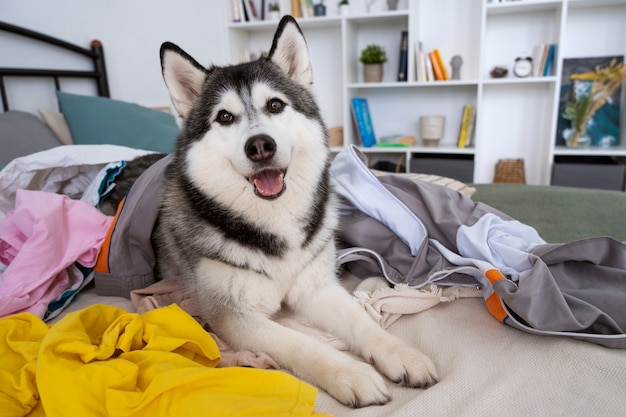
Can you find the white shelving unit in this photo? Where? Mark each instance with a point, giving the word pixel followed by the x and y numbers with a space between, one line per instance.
pixel 516 117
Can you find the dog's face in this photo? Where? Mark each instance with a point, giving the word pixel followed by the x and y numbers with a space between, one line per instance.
pixel 250 122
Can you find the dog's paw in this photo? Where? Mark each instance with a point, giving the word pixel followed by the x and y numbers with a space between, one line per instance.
pixel 356 385
pixel 403 365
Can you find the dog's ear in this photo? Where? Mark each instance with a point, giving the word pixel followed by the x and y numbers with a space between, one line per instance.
pixel 290 53
pixel 183 76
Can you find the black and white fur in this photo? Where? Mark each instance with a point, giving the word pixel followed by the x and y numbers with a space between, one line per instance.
pixel 247 222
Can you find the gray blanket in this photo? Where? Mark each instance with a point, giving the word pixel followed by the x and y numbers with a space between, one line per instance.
pixel 575 289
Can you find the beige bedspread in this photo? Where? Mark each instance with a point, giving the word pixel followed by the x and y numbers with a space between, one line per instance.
pixel 488 369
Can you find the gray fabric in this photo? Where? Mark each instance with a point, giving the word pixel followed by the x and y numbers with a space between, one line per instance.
pixel 131 257
pixel 574 289
pixel 21 134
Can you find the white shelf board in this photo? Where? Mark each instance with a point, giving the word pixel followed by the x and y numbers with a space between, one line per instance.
pixel 523 6
pixel 591 151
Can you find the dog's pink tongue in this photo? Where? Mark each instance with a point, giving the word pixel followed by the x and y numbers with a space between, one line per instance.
pixel 268 182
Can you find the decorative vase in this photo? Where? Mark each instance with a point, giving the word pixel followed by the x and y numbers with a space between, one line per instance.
pixel 431 129
pixel 392 4
pixel 274 15
pixel 373 73
pixel 576 138
pixel 319 10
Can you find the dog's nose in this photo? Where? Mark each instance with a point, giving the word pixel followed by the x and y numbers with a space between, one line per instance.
pixel 260 148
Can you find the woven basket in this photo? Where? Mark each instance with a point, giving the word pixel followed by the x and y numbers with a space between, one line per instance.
pixel 510 171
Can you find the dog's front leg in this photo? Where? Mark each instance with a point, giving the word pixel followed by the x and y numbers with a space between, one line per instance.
pixel 239 307
pixel 354 383
pixel 321 301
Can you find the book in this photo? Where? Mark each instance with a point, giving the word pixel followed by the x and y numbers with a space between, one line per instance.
pixel 404 52
pixel 549 60
pixel 469 138
pixel 603 129
pixel 465 123
pixel 295 9
pixel 537 55
pixel 363 122
pixel 236 10
pixel 253 10
pixel 545 49
pixel 429 68
pixel 442 66
pixel 420 63
pixel 435 65
pixel 306 8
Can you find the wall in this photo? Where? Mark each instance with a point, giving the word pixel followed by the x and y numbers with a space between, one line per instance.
pixel 131 32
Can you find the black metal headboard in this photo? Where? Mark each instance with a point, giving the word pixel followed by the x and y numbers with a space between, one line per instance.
pixel 96 54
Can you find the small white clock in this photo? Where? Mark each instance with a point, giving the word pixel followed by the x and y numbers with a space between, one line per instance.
pixel 523 67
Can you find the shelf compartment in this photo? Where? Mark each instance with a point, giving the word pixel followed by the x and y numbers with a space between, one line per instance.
pixel 459 167
pixel 397 111
pixel 589 172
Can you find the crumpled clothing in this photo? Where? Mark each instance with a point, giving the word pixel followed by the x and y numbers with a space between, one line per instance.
pixel 160 363
pixel 166 292
pixel 70 170
pixel 39 240
pixel 386 304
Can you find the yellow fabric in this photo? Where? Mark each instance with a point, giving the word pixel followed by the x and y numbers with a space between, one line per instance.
pixel 104 361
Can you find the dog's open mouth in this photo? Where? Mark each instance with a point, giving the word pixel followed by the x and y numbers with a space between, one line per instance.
pixel 269 183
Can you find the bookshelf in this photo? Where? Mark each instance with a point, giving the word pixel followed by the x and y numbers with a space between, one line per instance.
pixel 516 117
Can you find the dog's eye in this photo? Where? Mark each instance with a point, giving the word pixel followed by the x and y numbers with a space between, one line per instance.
pixel 275 105
pixel 225 118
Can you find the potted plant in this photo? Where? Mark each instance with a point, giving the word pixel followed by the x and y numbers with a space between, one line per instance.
pixel 274 9
pixel 344 7
pixel 373 57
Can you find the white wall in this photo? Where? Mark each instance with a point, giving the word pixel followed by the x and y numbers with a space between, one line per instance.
pixel 131 32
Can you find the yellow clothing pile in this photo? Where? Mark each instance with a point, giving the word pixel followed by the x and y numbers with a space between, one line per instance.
pixel 104 361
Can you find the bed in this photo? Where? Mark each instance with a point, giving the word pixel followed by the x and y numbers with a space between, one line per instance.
pixel 485 367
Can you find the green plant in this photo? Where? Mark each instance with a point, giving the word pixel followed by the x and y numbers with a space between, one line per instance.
pixel 274 7
pixel 373 54
pixel 582 106
pixel 343 3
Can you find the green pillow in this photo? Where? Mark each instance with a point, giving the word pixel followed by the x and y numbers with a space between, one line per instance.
pixel 99 120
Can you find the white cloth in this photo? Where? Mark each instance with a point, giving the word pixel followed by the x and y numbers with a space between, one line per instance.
pixel 67 170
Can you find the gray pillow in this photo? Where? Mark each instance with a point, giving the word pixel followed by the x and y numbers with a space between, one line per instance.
pixel 21 134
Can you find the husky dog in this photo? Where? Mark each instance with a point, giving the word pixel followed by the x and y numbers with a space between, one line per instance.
pixel 247 219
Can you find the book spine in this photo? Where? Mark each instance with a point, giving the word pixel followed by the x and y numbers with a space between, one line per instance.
pixel 355 118
pixel 429 68
pixel 537 54
pixel 253 11
pixel 304 9
pixel 244 11
pixel 544 57
pixel 404 59
pixel 295 9
pixel 420 63
pixel 442 67
pixel 236 9
pixel 436 70
pixel 549 60
pixel 469 138
pixel 364 122
pixel 467 111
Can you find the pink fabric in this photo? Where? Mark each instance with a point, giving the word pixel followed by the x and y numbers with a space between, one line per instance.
pixel 39 240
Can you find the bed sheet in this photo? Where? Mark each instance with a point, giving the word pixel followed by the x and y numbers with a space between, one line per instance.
pixel 485 368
